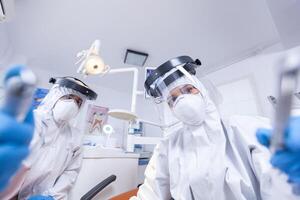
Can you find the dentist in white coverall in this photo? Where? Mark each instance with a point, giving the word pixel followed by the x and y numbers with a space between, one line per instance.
pixel 55 157
pixel 205 159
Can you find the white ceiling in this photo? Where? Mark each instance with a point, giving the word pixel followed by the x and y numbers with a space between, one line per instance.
pixel 286 15
pixel 50 32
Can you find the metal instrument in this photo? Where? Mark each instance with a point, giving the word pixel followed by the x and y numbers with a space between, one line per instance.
pixel 288 77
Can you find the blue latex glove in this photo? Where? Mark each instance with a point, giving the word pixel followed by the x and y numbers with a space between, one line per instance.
pixel 41 197
pixel 287 159
pixel 15 138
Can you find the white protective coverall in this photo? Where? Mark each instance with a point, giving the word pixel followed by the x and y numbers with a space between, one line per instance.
pixel 56 155
pixel 210 162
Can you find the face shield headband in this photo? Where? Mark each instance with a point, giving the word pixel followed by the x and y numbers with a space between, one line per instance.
pixel 75 84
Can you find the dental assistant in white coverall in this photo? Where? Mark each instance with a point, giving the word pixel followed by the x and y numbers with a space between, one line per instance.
pixel 55 160
pixel 203 159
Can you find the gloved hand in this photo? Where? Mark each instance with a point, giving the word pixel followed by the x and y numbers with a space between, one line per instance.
pixel 287 159
pixel 41 197
pixel 15 138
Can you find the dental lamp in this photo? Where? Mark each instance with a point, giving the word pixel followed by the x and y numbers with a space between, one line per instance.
pixel 92 64
pixel 90 61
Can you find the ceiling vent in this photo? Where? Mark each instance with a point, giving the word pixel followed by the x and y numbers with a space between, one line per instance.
pixel 135 57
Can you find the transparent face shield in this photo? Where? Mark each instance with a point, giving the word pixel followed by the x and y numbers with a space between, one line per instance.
pixel 168 82
pixel 174 84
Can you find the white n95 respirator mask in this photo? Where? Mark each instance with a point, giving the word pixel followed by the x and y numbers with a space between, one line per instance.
pixel 65 110
pixel 190 109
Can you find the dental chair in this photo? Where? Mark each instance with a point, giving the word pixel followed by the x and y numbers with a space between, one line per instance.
pixel 99 187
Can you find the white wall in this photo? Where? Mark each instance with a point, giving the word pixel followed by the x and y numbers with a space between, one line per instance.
pixel 261 70
pixel 5 49
pixel 8 56
pixel 238 97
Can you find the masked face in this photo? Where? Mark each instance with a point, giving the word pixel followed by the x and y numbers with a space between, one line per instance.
pixel 190 109
pixel 64 110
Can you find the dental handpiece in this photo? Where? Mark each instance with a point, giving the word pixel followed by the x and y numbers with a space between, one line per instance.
pixel 19 90
pixel 288 78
